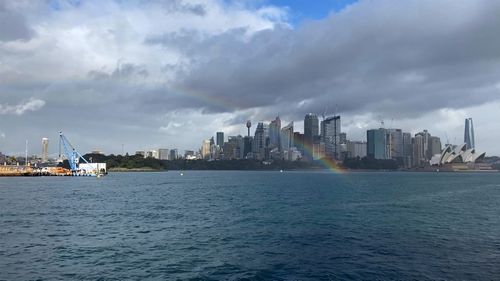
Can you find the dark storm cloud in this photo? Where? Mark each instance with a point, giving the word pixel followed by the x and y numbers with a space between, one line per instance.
pixel 406 57
pixel 397 58
pixel 13 25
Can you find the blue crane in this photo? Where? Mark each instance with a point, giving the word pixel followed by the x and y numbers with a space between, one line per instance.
pixel 72 155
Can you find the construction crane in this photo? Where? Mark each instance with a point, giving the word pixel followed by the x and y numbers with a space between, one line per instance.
pixel 72 155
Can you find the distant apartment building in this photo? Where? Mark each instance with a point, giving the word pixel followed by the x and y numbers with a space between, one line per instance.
pixel 318 150
pixel 174 154
pixel 425 147
pixel 205 149
pixel 163 153
pixel 189 155
pixel 45 150
pixel 356 149
pixel 151 154
pixel 435 146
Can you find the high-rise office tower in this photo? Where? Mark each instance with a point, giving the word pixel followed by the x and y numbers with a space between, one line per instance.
pixel 287 141
pixel 434 146
pixel 426 149
pixel 469 134
pixel 376 144
pixel 407 150
pixel 260 141
pixel 220 139
pixel 311 128
pixel 205 149
pixel 247 147
pixel 274 133
pixel 395 143
pixel 45 150
pixel 330 135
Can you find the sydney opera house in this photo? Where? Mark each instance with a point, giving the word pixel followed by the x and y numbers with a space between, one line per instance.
pixel 453 154
pixel 460 154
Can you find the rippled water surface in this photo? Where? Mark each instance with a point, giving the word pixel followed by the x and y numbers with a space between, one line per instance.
pixel 251 225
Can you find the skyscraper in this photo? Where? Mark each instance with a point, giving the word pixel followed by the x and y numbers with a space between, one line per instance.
pixel 220 139
pixel 376 144
pixel 418 150
pixel 205 149
pixel 274 133
pixel 45 150
pixel 395 144
pixel 287 141
pixel 234 147
pixel 426 142
pixel 330 134
pixel 247 147
pixel 260 141
pixel 435 146
pixel 311 128
pixel 469 134
pixel 407 150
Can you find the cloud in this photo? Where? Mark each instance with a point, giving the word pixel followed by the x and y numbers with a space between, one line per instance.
pixel 19 109
pixel 357 60
pixel 13 25
pixel 122 67
pixel 183 7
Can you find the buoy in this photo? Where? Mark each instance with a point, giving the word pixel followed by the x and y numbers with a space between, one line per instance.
pixel 182 174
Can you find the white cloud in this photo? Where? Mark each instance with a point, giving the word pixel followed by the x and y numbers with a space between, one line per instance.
pixel 19 109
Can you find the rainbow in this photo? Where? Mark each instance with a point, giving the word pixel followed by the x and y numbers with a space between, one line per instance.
pixel 214 100
pixel 326 162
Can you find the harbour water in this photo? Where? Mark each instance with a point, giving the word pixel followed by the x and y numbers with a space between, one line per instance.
pixel 252 226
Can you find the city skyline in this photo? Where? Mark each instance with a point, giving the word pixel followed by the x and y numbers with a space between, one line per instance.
pixel 323 134
pixel 154 74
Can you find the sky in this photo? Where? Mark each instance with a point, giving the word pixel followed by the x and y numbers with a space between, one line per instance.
pixel 167 74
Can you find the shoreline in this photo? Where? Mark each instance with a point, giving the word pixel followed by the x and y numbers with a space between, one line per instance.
pixel 150 170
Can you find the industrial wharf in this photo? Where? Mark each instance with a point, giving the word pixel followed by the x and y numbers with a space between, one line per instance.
pixel 77 169
pixel 27 171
